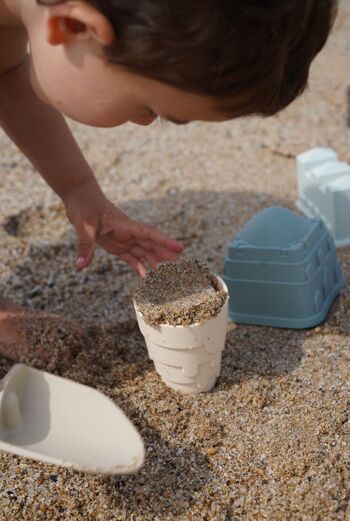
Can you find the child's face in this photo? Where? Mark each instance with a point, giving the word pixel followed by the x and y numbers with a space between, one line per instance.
pixel 80 83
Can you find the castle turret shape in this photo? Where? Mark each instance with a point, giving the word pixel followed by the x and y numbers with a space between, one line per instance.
pixel 324 191
pixel 282 270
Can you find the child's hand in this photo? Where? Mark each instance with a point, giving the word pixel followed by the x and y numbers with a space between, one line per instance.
pixel 97 220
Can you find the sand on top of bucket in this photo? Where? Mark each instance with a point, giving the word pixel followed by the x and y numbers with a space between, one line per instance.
pixel 179 293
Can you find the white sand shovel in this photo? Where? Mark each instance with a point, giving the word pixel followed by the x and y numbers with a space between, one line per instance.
pixel 55 420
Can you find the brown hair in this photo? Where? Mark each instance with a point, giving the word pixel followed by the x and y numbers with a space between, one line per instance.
pixel 253 56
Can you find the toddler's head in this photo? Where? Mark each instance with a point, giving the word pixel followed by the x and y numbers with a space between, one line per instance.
pixel 105 62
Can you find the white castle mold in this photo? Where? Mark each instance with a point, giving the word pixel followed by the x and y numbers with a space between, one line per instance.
pixel 324 191
pixel 187 358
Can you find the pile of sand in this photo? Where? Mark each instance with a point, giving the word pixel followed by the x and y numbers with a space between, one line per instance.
pixel 179 294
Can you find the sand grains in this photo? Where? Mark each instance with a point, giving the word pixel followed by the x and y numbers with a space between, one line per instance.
pixel 179 294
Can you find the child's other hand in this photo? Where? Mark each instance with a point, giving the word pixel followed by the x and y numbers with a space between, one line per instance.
pixel 98 221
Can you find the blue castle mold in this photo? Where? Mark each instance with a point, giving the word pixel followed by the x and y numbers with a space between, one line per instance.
pixel 282 271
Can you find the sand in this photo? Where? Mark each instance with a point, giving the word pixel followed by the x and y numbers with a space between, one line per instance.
pixel 272 441
pixel 179 293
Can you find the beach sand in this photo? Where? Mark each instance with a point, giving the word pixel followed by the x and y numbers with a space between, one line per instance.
pixel 272 441
pixel 179 293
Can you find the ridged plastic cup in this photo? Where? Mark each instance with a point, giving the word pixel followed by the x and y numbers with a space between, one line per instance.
pixel 188 358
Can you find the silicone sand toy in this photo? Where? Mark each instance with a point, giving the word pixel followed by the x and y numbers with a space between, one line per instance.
pixel 324 191
pixel 282 271
pixel 55 420
pixel 182 311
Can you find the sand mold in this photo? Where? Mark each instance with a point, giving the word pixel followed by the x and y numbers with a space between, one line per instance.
pixel 179 293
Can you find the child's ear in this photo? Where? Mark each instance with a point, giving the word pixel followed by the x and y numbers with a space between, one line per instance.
pixel 77 20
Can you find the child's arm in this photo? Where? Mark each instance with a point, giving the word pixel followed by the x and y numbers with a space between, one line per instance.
pixel 44 137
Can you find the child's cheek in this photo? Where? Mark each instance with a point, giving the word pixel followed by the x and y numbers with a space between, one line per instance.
pixel 35 83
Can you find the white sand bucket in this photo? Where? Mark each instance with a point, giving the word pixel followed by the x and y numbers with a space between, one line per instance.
pixel 188 358
pixel 176 378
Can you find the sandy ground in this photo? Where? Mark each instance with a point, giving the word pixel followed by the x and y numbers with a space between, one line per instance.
pixel 272 440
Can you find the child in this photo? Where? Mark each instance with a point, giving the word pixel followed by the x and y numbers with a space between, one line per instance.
pixel 106 62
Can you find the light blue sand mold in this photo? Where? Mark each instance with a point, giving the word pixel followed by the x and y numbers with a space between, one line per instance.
pixel 282 271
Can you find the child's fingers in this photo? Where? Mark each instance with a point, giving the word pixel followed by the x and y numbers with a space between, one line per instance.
pixel 160 251
pixel 86 234
pixel 164 254
pixel 148 233
pixel 140 253
pixel 136 264
pixel 151 259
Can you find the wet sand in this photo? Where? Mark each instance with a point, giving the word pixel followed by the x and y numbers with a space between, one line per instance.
pixel 272 441
pixel 179 293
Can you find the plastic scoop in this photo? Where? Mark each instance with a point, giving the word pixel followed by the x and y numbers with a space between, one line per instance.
pixel 58 421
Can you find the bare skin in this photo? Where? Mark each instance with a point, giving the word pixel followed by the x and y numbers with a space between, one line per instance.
pixel 26 336
pixel 13 343
pixel 66 74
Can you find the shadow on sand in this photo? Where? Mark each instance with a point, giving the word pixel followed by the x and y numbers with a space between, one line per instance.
pixel 100 299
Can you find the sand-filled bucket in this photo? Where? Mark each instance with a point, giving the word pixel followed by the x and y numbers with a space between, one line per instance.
pixel 188 358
